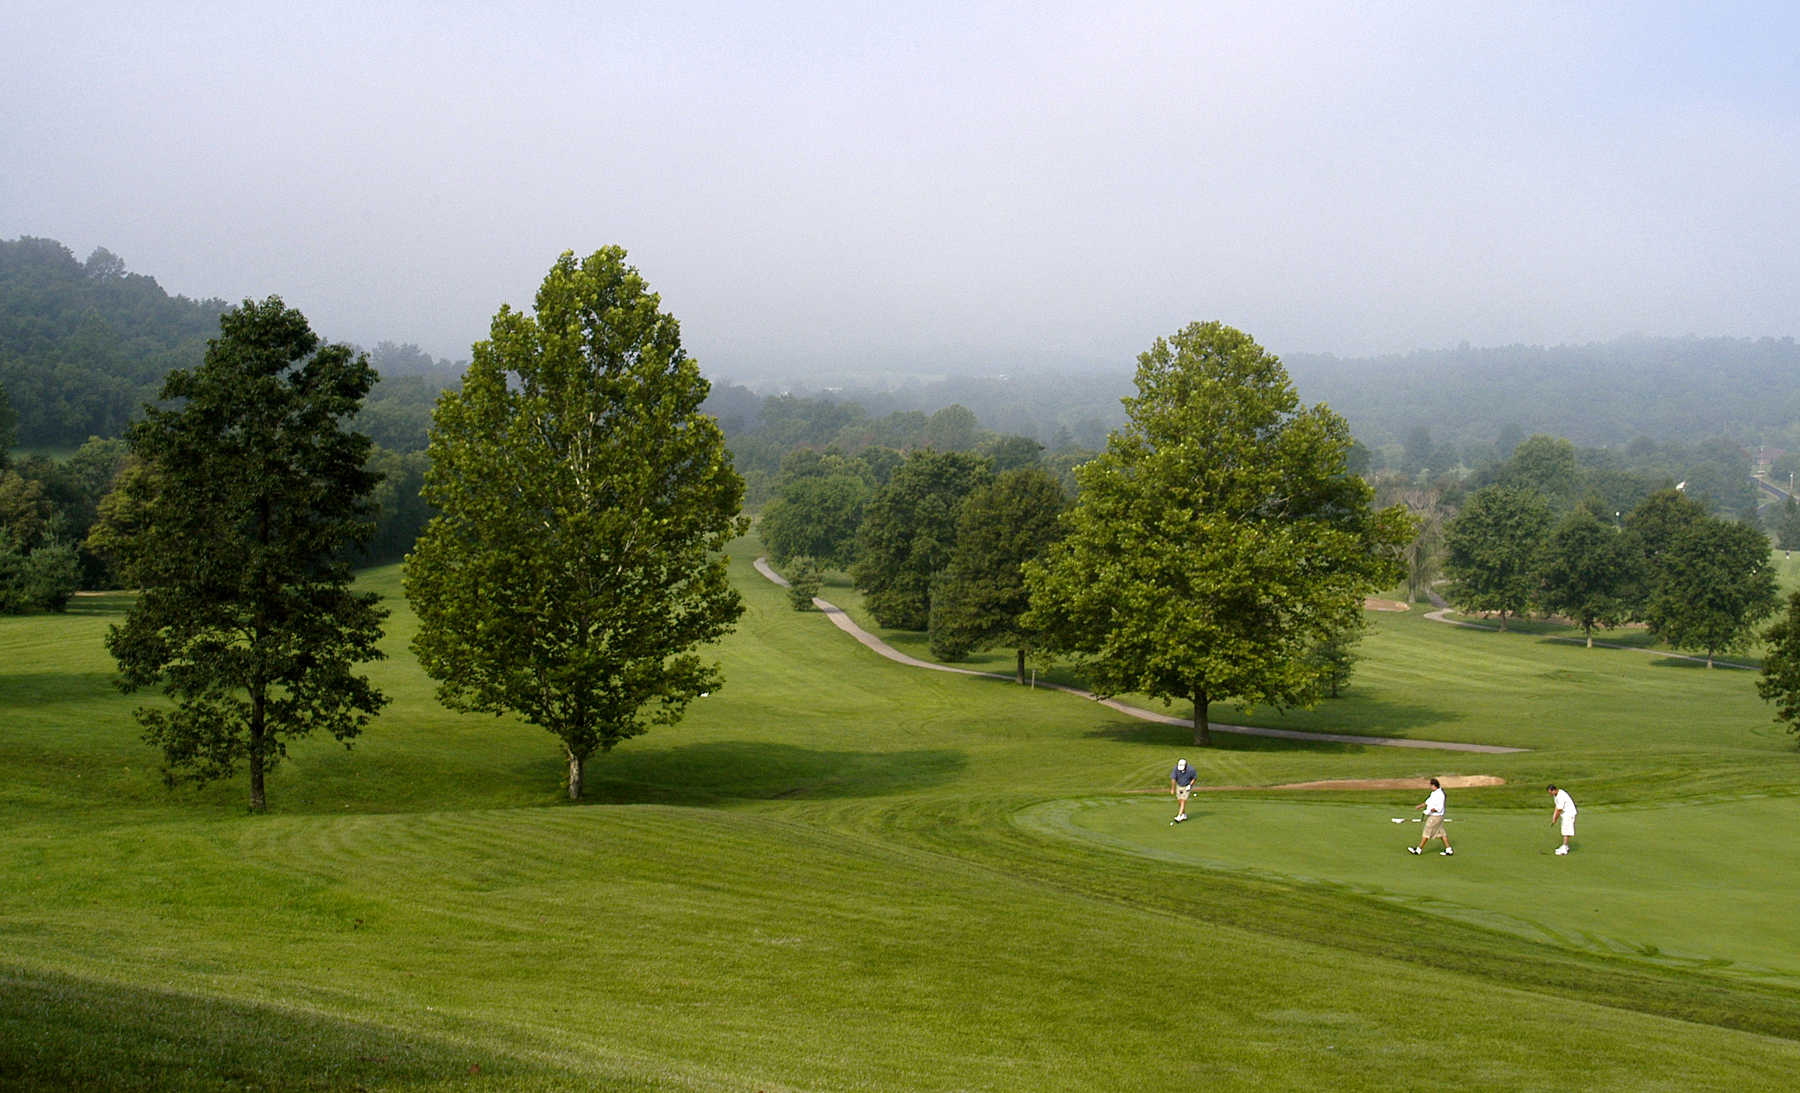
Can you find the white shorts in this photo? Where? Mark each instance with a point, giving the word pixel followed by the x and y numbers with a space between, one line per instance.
pixel 1568 822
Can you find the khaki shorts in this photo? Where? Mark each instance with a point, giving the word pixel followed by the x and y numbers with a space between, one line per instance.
pixel 1181 792
pixel 1434 826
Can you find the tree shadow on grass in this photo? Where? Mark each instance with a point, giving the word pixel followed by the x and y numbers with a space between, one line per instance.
pixel 1348 716
pixel 100 604
pixel 1180 737
pixel 705 774
pixel 60 1032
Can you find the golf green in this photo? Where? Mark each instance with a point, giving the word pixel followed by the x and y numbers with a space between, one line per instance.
pixel 1708 883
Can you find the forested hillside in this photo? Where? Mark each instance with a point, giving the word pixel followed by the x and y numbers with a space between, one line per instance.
pixel 82 344
pixel 1606 394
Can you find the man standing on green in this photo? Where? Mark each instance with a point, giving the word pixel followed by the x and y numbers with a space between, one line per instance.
pixel 1564 810
pixel 1434 821
pixel 1181 783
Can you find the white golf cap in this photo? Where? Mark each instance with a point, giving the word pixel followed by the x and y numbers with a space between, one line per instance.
pixel 1179 763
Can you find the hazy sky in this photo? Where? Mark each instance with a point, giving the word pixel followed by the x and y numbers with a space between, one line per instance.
pixel 931 187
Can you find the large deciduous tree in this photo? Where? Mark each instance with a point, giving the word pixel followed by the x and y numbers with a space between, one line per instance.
pixel 1491 550
pixel 1590 573
pixel 909 529
pixel 1714 584
pixel 980 598
pixel 1219 539
pixel 583 497
pixel 245 501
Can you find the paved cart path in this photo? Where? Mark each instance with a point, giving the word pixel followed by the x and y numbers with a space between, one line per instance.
pixel 843 622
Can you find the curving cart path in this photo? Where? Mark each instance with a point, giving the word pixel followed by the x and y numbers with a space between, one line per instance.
pixel 843 622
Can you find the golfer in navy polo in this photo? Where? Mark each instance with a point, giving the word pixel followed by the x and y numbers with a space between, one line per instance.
pixel 1181 783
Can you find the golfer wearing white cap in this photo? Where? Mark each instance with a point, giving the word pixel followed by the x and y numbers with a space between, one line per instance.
pixel 1181 783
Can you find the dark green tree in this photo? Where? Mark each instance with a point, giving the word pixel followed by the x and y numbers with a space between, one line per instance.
pixel 583 500
pixel 980 598
pixel 252 495
pixel 1491 550
pixel 1655 524
pixel 953 429
pixel 1013 453
pixel 815 517
pixel 909 529
pixel 1219 539
pixel 1713 586
pixel 1544 465
pixel 1334 658
pixel 1780 682
pixel 1589 572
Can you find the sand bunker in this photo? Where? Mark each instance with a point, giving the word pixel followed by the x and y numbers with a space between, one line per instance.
pixel 1385 605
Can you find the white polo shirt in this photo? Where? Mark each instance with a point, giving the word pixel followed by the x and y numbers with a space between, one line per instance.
pixel 1434 804
pixel 1565 802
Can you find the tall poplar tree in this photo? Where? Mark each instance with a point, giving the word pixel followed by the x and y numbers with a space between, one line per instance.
pixel 1219 539
pixel 244 501
pixel 574 567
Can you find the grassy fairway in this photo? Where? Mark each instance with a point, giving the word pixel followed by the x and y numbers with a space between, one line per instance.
pixel 840 873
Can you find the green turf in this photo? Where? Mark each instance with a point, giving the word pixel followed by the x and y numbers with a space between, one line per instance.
pixel 841 873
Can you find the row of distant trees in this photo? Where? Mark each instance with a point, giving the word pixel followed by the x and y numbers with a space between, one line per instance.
pixel 1699 581
pixel 1219 548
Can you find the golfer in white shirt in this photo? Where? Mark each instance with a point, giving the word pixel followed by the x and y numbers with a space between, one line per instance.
pixel 1434 821
pixel 1564 811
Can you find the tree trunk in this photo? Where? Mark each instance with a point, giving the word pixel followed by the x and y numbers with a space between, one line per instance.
pixel 1503 620
pixel 1021 667
pixel 1589 630
pixel 1202 727
pixel 574 776
pixel 259 801
pixel 1709 654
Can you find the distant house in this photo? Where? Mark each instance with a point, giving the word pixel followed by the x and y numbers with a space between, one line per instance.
pixel 1766 457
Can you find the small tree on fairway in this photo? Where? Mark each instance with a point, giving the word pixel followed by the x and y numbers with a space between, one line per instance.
pixel 1491 550
pixel 582 499
pixel 908 531
pixel 1589 573
pixel 803 584
pixel 1220 537
pixel 1335 658
pixel 247 499
pixel 1780 682
pixel 981 596
pixel 1713 586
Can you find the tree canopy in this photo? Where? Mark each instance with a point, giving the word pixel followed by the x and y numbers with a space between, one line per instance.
pixel 574 567
pixel 248 496
pixel 1714 585
pixel 1492 550
pixel 980 598
pixel 1219 539
pixel 1590 573
pixel 908 531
